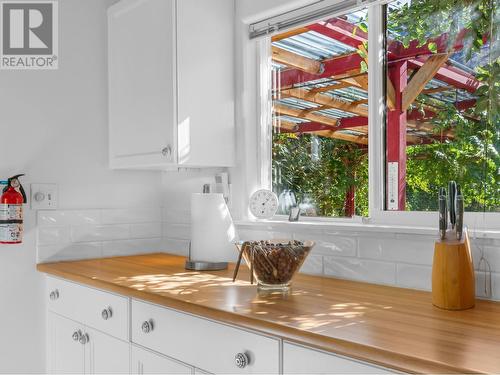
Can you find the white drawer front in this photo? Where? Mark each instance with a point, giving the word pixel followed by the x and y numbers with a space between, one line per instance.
pixel 301 360
pixel 86 305
pixel 203 343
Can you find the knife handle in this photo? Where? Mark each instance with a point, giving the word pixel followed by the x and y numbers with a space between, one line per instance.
pixel 443 215
pixel 452 191
pixel 460 216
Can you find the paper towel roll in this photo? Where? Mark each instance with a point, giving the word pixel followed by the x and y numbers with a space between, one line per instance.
pixel 212 230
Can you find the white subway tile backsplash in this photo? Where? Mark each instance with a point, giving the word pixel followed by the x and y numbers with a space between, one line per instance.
pixel 415 277
pixel 382 257
pixel 313 265
pixel 177 231
pixel 491 255
pixel 176 246
pixel 415 251
pixel 331 243
pixel 145 230
pixel 132 247
pixel 176 215
pixel 53 235
pixel 256 235
pixel 68 217
pixel 89 233
pixel 131 215
pixel 69 251
pixel 483 283
pixel 359 269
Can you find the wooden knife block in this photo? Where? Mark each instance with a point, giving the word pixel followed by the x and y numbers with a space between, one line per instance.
pixel 453 281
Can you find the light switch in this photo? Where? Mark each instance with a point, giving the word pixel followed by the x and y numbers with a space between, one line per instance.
pixel 44 196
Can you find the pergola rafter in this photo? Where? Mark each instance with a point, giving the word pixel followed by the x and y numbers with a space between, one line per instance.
pixel 333 85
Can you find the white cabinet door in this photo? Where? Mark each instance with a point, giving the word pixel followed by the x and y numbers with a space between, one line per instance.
pixel 147 362
pixel 301 360
pixel 106 354
pixel 203 343
pixel 142 83
pixel 65 355
pixel 205 69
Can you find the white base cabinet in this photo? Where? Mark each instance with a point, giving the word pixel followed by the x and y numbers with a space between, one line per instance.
pixel 202 343
pixel 77 349
pixel 91 331
pixel 107 355
pixel 65 355
pixel 301 360
pixel 145 361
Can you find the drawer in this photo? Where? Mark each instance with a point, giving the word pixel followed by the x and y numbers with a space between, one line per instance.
pixel 103 311
pixel 301 360
pixel 202 343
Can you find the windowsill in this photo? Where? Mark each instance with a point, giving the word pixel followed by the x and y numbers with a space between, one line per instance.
pixel 354 225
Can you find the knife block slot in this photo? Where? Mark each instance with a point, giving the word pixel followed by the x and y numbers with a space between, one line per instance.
pixel 453 280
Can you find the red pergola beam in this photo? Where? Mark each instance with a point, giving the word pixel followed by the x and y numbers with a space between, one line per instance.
pixel 352 122
pixel 332 67
pixel 450 75
pixel 348 34
pixel 340 30
pixel 343 123
pixel 398 51
pixel 351 35
pixel 428 114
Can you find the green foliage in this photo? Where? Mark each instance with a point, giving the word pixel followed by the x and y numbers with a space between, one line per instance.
pixel 424 19
pixel 324 178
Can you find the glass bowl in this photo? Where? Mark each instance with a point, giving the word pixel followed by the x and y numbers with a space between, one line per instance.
pixel 274 263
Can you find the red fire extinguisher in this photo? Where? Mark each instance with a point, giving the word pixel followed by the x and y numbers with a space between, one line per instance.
pixel 11 211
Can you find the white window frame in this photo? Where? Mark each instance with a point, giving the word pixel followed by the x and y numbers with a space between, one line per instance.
pixel 488 223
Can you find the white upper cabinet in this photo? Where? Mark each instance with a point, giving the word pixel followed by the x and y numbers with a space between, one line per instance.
pixel 171 84
pixel 205 73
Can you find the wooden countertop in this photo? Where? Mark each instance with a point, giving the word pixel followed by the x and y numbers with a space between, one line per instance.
pixel 393 327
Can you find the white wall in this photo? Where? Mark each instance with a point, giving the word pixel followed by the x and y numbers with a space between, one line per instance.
pixel 53 127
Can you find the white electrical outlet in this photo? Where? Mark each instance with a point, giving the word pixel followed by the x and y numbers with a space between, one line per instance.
pixel 44 196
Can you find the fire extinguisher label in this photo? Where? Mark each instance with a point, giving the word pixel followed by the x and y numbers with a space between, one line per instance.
pixel 11 232
pixel 11 212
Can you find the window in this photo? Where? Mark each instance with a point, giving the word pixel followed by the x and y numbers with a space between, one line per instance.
pixel 320 117
pixel 443 103
pixel 434 109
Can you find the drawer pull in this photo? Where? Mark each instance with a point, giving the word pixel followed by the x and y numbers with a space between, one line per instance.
pixel 84 338
pixel 241 360
pixel 147 326
pixel 107 313
pixel 54 295
pixel 76 335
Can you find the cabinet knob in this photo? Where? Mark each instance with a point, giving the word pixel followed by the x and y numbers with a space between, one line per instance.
pixel 241 360
pixel 76 335
pixel 54 295
pixel 107 313
pixel 147 326
pixel 84 338
pixel 167 152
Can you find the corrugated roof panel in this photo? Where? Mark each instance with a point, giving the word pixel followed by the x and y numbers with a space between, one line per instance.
pixel 334 113
pixel 297 103
pixel 295 120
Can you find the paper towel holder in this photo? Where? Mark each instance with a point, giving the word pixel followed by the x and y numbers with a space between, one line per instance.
pixel 200 265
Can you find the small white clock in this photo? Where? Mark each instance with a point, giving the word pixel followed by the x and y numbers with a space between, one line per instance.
pixel 263 204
